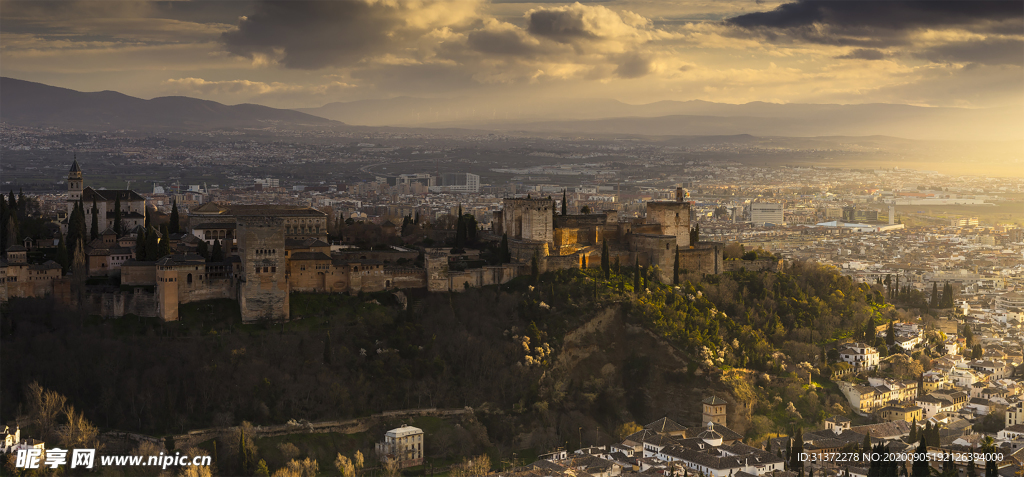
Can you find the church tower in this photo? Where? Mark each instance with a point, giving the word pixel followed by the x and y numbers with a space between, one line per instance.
pixel 75 182
pixel 714 410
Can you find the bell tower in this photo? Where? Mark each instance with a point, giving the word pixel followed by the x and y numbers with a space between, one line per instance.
pixel 75 182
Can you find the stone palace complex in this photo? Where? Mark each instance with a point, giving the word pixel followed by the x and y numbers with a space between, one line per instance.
pixel 270 251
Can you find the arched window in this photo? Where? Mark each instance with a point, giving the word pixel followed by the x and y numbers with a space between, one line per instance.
pixel 188 279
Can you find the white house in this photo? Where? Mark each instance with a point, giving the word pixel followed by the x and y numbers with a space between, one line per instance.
pixel 859 355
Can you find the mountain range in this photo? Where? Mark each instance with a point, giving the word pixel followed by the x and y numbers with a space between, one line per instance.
pixel 686 118
pixel 35 104
pixel 26 103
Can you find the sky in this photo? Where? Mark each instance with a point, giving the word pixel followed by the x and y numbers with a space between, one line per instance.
pixel 308 53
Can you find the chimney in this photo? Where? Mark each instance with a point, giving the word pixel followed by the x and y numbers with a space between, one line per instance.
pixel 679 194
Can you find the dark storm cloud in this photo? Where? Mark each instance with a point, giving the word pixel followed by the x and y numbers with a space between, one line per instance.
pixel 634 65
pixel 315 34
pixel 985 52
pixel 878 23
pixel 862 54
pixel 499 42
pixel 559 25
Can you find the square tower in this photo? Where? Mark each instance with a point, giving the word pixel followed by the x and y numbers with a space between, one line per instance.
pixel 262 284
pixel 714 410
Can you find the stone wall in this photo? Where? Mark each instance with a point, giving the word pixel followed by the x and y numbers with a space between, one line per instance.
pixel 705 258
pixel 523 250
pixel 137 302
pixel 138 274
pixel 769 265
pixel 349 426
pixel 405 278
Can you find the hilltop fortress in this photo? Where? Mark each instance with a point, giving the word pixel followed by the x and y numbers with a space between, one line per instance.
pixel 271 251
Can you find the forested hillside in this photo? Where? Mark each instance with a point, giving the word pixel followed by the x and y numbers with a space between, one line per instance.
pixel 539 359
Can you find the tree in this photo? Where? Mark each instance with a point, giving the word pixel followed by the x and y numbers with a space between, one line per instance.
pixel 203 249
pixel 695 234
pixel 675 267
pixel 912 438
pixel 117 215
pixel 261 469
pixel 606 260
pixel 564 202
pixel 627 429
pixel 165 241
pixel 927 433
pixel 798 450
pixel 535 267
pixel 94 231
pixel 977 352
pixel 217 255
pixel 504 255
pixel 890 335
pixel 358 460
pixel 920 466
pixel 968 336
pixel 344 466
pixel 585 209
pixel 175 225
pixel 62 255
pixel 152 245
pixel 971 470
pixel 479 465
pixel 935 295
pixel 636 275
pixel 867 442
pixel 328 352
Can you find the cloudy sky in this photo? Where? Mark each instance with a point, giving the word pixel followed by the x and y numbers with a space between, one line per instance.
pixel 308 53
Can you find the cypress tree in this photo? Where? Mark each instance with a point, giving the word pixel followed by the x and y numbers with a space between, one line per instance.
pixel 636 276
pixel 94 231
pixel 926 435
pixel 152 245
pixel 328 352
pixel 912 438
pixel 3 225
pixel 140 245
pixel 504 256
pixel 890 335
pixel 175 226
pixel 535 268
pixel 148 218
pixel 971 470
pixel 675 268
pixel 935 295
pixel 991 468
pixel 867 442
pixel 798 448
pixel 920 466
pixel 165 241
pixel 117 214
pixel 62 255
pixel 218 254
pixel 564 202
pixel 203 249
pixel 605 260
pixel 948 468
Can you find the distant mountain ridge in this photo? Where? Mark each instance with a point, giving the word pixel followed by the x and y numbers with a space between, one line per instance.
pixel 687 118
pixel 35 104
